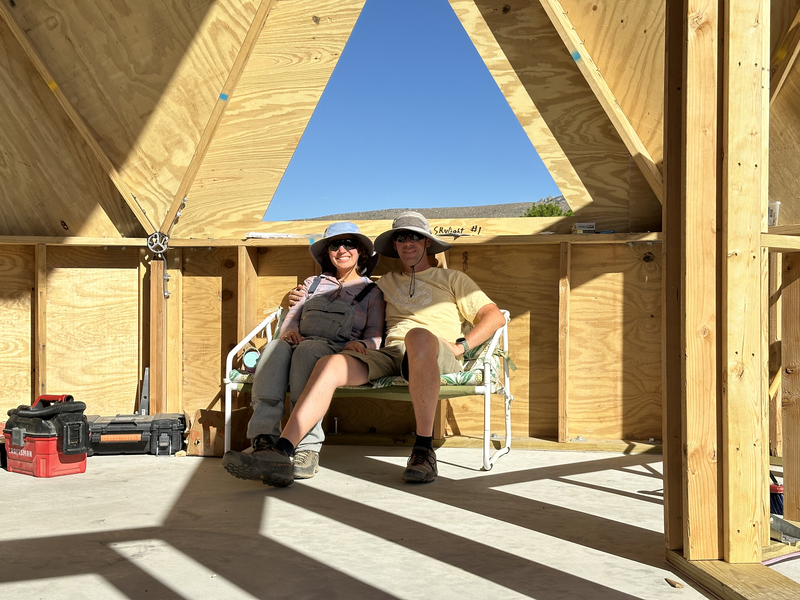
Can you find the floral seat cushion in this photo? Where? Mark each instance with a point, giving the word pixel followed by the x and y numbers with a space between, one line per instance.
pixel 472 375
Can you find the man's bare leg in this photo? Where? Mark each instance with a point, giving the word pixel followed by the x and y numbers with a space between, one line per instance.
pixel 422 349
pixel 329 373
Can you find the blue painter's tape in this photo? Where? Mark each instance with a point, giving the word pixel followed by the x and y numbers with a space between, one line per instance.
pixel 576 56
pixel 223 96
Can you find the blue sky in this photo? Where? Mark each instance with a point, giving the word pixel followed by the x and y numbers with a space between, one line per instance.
pixel 411 118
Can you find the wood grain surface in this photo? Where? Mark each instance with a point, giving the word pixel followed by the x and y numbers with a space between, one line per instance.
pixel 266 115
pixel 16 314
pixel 209 323
pixel 92 327
pixel 615 342
pixel 144 78
pixel 50 182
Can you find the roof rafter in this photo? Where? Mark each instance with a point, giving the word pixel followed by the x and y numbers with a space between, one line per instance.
pixel 216 114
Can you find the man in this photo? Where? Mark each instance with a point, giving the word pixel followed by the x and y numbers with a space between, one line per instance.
pixel 425 307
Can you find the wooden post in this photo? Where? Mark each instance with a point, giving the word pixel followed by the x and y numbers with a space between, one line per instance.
pixel 699 270
pixel 158 335
pixel 672 211
pixel 765 466
pixel 563 343
pixel 174 331
pixel 247 296
pixel 775 336
pixel 690 215
pixel 790 381
pixel 745 135
pixel 40 323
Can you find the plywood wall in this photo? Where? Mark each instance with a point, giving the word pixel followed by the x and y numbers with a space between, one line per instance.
pixel 615 342
pixel 96 306
pixel 92 316
pixel 209 323
pixel 16 324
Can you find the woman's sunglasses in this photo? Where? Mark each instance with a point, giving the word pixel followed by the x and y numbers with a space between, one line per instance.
pixel 346 244
pixel 407 235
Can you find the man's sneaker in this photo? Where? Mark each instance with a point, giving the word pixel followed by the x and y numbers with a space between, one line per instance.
pixel 305 464
pixel 421 466
pixel 270 466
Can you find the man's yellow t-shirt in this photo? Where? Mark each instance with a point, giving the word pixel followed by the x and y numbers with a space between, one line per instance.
pixel 442 300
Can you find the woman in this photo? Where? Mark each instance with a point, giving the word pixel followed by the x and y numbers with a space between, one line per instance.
pixel 339 309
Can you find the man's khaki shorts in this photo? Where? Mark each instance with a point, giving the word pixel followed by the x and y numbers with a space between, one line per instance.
pixel 392 360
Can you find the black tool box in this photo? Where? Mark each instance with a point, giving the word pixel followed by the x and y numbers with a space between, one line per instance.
pixel 137 434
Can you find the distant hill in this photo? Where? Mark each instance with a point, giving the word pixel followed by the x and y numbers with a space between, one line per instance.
pixel 486 211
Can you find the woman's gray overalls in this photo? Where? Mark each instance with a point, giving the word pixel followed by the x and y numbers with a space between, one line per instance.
pixel 327 325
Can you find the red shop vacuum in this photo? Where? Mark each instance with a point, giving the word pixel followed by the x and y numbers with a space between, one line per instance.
pixel 48 438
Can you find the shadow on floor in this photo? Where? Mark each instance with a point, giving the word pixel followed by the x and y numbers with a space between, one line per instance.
pixel 223 524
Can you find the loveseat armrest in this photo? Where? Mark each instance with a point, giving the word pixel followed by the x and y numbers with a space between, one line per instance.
pixel 274 317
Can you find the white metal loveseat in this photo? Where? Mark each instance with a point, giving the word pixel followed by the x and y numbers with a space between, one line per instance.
pixel 486 373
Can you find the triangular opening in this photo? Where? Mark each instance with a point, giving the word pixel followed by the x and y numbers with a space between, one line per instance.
pixel 411 118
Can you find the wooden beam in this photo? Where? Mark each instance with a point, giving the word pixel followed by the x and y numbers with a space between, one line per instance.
pixel 745 135
pixel 247 296
pixel 784 58
pixel 691 183
pixel 40 322
pixel 790 394
pixel 604 95
pixel 780 243
pixel 736 582
pixel 765 405
pixel 158 335
pixel 672 219
pixel 216 114
pixel 699 298
pixel 32 240
pixel 775 310
pixel 489 240
pixel 76 119
pixel 143 351
pixel 174 336
pixel 563 343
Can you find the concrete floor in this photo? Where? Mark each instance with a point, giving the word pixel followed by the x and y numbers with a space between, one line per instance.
pixel 544 525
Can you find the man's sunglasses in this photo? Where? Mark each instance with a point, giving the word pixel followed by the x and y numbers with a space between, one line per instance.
pixel 407 235
pixel 346 243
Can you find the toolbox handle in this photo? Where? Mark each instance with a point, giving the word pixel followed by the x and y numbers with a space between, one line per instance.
pixel 48 411
pixel 48 399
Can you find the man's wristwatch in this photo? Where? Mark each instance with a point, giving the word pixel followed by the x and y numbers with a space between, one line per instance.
pixel 464 344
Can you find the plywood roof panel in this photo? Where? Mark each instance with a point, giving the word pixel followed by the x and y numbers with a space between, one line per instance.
pixel 567 105
pixel 50 182
pixel 782 14
pixel 784 149
pixel 266 116
pixel 626 41
pixel 143 76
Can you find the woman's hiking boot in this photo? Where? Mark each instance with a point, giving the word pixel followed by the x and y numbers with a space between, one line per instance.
pixel 270 466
